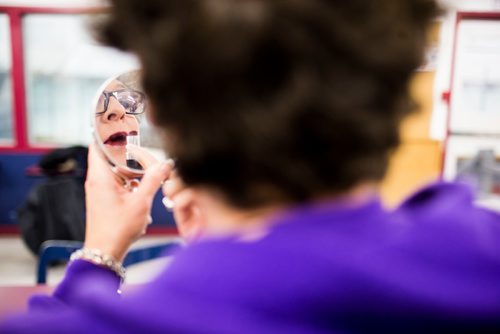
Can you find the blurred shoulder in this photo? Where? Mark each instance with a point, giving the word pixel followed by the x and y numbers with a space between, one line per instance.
pixel 446 203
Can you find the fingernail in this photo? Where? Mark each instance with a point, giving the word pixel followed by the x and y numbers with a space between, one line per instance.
pixel 168 203
pixel 171 162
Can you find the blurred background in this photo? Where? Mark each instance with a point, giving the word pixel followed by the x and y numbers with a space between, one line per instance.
pixel 51 68
pixel 50 71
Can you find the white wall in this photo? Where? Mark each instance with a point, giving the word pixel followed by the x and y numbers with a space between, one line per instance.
pixel 471 5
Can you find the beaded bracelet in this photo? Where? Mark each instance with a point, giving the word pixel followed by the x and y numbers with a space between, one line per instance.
pixel 97 257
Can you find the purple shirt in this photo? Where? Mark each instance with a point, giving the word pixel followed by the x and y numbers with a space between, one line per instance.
pixel 431 266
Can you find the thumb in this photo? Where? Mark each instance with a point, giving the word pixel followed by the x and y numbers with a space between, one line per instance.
pixel 153 178
pixel 145 158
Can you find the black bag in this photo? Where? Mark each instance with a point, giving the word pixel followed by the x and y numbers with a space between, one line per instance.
pixel 55 208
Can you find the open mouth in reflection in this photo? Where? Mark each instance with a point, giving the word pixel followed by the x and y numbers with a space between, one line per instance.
pixel 119 138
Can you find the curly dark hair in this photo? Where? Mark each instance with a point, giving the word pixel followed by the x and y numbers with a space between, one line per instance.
pixel 274 101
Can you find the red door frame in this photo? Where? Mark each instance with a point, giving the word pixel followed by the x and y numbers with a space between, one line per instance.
pixel 19 114
pixel 21 142
pixel 447 96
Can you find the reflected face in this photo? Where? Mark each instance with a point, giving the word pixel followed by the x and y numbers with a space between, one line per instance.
pixel 113 123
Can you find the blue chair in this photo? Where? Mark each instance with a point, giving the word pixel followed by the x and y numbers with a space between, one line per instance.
pixel 60 250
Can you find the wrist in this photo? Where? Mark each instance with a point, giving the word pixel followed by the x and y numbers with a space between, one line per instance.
pixel 107 247
pixel 97 257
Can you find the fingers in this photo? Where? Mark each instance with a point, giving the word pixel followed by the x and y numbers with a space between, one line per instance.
pixel 173 186
pixel 149 221
pixel 170 189
pixel 152 180
pixel 145 158
pixel 184 199
pixel 168 203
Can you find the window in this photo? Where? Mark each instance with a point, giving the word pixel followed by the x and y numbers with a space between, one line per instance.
pixel 64 67
pixel 6 136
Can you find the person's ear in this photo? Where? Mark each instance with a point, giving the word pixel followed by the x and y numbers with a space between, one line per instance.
pixel 188 216
pixel 193 228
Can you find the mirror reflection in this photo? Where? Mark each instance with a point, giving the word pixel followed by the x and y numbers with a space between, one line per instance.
pixel 120 119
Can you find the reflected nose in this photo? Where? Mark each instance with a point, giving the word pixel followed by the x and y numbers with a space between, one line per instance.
pixel 115 110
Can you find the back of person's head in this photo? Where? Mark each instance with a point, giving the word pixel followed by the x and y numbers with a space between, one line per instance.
pixel 276 100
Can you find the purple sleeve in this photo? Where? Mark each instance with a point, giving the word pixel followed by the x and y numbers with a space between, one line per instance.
pixel 80 276
pixel 76 280
pixel 83 281
pixel 86 302
pixel 178 300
